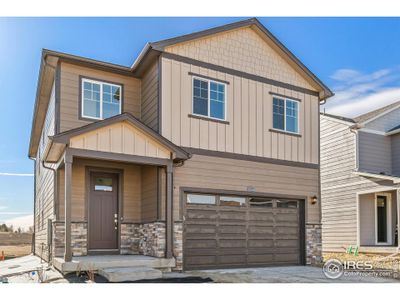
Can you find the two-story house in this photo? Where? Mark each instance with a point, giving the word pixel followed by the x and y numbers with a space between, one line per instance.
pixel 360 180
pixel 204 153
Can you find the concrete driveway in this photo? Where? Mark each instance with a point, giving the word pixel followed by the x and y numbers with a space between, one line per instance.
pixel 295 274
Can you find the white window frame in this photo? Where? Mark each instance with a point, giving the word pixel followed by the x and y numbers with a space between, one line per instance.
pixel 101 97
pixel 389 229
pixel 284 114
pixel 209 99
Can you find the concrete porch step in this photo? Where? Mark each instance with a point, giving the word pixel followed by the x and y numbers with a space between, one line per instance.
pixel 130 274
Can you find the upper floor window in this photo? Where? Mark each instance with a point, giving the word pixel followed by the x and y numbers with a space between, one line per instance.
pixel 100 100
pixel 209 98
pixel 286 115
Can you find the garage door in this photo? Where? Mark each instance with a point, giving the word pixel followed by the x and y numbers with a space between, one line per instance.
pixel 235 231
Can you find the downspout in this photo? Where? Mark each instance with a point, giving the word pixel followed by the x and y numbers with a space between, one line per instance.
pixel 354 129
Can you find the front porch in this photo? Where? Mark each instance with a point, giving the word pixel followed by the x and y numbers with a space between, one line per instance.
pixel 113 197
pixel 378 221
pixel 99 262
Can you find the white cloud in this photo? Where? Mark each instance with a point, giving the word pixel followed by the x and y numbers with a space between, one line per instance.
pixel 16 174
pixel 24 222
pixel 13 213
pixel 3 207
pixel 357 93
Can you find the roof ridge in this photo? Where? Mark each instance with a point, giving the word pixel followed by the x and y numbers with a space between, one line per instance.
pixel 371 114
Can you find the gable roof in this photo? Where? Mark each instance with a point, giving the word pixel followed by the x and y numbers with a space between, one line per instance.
pixel 375 113
pixel 63 138
pixel 254 23
pixel 338 117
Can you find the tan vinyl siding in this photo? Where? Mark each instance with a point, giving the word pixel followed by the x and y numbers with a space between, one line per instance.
pixel 123 138
pixel 69 93
pixel 339 185
pixel 367 219
pixel 132 189
pixel 44 183
pixel 244 50
pixel 249 113
pixel 150 82
pixel 238 175
pixel 149 193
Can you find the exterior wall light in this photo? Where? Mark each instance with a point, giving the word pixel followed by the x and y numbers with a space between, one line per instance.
pixel 314 200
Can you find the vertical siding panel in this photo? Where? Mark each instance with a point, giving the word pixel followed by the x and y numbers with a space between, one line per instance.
pixel 302 122
pixel 176 103
pixel 204 135
pixel 186 104
pixel 252 119
pixel 314 130
pixel 267 117
pixel 237 118
pixel 229 147
pixel 166 96
pixel 259 119
pixel 195 133
pixel 245 116
pixel 307 133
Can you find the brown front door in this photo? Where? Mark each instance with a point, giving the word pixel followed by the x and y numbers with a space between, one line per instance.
pixel 103 212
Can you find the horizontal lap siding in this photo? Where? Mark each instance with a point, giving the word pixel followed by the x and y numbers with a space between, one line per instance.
pixel 396 154
pixel 44 208
pixel 339 186
pixel 69 93
pixel 149 99
pixel 238 175
pixel 249 113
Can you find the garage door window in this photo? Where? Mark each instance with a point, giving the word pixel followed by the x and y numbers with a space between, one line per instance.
pixel 201 199
pixel 286 203
pixel 261 202
pixel 232 201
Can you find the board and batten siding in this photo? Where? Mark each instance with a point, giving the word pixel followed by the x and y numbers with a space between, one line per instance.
pixel 339 185
pixel 44 208
pixel 248 111
pixel 217 173
pixel 396 154
pixel 375 153
pixel 149 98
pixel 70 99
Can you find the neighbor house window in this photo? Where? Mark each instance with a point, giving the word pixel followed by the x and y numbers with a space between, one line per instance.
pixel 100 100
pixel 209 98
pixel 201 199
pixel 286 115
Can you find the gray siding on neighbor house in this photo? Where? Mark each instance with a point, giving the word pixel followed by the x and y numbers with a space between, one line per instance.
pixel 44 184
pixel 339 185
pixel 374 153
pixel 385 123
pixel 396 154
pixel 149 99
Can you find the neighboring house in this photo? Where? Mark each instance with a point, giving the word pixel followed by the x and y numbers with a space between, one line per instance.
pixel 360 180
pixel 205 152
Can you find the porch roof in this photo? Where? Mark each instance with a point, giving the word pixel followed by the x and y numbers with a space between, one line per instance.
pixel 394 179
pixel 121 134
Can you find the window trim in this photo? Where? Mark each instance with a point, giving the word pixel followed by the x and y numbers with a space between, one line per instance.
pixel 84 79
pixel 285 99
pixel 194 77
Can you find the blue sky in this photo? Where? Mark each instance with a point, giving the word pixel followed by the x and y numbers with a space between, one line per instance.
pixel 358 58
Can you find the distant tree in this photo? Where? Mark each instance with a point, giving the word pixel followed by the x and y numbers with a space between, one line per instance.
pixel 19 230
pixel 30 230
pixel 3 228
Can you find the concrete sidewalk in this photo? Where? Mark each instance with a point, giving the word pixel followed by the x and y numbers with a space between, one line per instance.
pixel 294 274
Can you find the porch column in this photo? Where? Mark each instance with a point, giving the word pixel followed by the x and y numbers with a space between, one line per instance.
pixel 67 206
pixel 398 217
pixel 169 213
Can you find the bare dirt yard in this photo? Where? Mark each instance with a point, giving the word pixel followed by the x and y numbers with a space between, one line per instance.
pixel 15 244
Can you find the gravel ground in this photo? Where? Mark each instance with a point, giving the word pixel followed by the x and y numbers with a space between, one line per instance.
pixel 378 261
